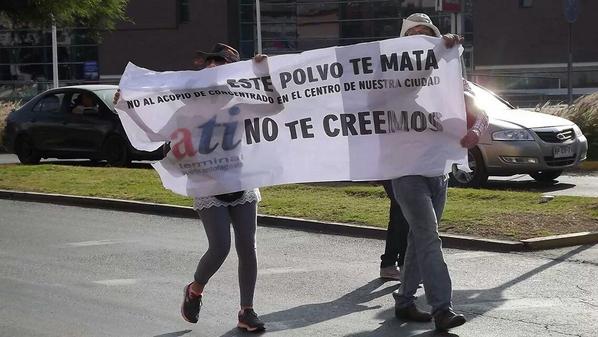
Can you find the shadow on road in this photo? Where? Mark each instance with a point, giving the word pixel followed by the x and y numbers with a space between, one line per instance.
pixel 474 303
pixel 527 185
pixel 480 301
pixel 310 314
pixel 391 326
pixel 175 334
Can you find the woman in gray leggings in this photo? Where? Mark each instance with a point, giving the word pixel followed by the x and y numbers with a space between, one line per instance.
pixel 217 214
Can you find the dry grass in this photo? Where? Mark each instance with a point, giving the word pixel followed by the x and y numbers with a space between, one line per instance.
pixel 589 166
pixel 5 108
pixel 584 113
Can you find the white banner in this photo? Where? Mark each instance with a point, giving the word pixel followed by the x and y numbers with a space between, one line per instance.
pixel 369 111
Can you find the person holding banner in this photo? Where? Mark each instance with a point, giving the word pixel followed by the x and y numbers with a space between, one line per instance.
pixel 397 231
pixel 422 201
pixel 217 213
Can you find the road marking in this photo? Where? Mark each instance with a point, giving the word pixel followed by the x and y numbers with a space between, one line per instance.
pixel 283 270
pixel 97 243
pixel 117 282
pixel 471 255
pixel 501 304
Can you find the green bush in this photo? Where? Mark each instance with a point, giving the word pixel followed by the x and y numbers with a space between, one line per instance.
pixel 5 108
pixel 584 113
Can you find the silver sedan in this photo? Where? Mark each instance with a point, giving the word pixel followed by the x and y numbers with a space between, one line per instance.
pixel 521 142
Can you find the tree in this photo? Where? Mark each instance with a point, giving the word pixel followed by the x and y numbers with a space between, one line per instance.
pixel 95 14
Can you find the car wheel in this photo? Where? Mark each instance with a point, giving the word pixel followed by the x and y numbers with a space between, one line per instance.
pixel 546 176
pixel 26 152
pixel 116 152
pixel 477 178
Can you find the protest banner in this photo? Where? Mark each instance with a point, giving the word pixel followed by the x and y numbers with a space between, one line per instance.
pixel 368 111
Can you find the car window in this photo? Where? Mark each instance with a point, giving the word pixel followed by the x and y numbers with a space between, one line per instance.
pixel 487 100
pixel 84 103
pixel 106 95
pixel 50 104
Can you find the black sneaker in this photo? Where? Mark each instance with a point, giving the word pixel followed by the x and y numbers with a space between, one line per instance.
pixel 250 322
pixel 448 319
pixel 191 306
pixel 412 313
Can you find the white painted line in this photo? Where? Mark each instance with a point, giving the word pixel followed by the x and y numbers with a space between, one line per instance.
pixel 471 255
pixel 282 270
pixel 117 282
pixel 96 243
pixel 503 304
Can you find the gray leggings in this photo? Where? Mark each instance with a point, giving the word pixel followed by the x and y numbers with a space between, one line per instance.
pixel 216 222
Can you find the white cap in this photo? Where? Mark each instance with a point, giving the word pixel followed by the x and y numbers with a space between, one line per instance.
pixel 418 19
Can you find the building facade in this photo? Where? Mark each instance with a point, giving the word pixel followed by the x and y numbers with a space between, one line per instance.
pixel 512 46
pixel 521 47
pixel 286 27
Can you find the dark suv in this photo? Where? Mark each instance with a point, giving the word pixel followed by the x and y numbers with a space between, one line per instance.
pixel 71 122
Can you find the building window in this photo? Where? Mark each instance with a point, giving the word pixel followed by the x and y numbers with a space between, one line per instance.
pixel 26 54
pixel 182 11
pixel 295 26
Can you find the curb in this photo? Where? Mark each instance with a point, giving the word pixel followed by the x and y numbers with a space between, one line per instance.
pixel 558 241
pixel 103 203
pixel 448 240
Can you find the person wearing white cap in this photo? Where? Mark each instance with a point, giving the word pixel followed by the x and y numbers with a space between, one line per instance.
pixel 396 235
pixel 422 201
pixel 419 24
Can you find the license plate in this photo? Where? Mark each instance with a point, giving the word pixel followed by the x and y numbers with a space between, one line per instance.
pixel 562 151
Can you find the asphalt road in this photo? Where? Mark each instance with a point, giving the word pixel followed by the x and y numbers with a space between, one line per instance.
pixel 572 183
pixel 70 271
pixel 582 184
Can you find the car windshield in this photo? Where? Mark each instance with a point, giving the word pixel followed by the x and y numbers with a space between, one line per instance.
pixel 487 100
pixel 106 95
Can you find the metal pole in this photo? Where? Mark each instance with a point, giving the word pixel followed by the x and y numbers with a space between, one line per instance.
pixel 570 66
pixel 258 19
pixel 54 54
pixel 453 23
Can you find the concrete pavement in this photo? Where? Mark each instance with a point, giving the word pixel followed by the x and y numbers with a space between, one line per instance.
pixel 581 184
pixel 71 271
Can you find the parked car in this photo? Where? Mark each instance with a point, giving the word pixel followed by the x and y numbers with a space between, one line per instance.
pixel 520 142
pixel 69 123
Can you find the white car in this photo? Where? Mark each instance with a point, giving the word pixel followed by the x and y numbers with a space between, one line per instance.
pixel 521 142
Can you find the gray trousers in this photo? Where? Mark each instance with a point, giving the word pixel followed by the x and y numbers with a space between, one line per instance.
pixel 216 222
pixel 422 200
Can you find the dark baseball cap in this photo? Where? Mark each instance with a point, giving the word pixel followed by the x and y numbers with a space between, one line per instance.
pixel 220 50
